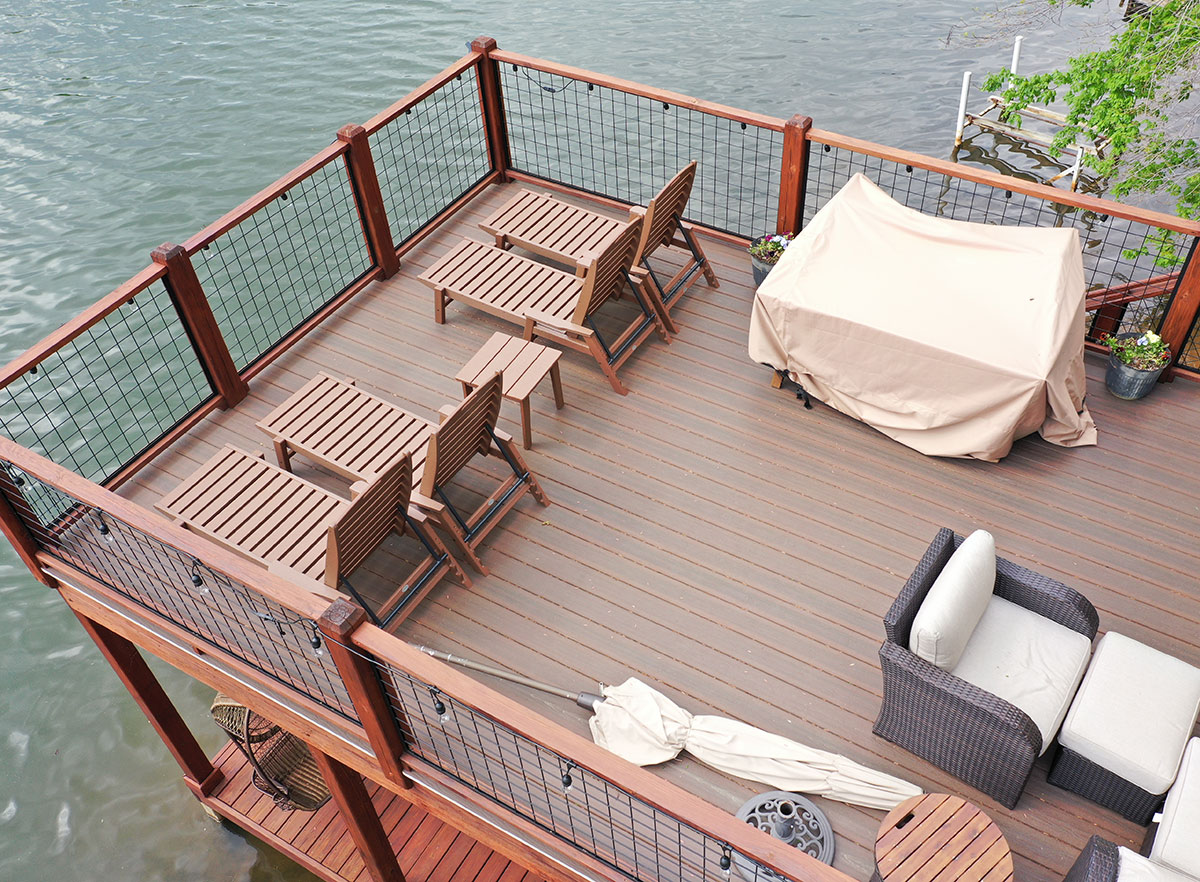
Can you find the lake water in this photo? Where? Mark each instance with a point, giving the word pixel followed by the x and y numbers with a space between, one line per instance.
pixel 126 124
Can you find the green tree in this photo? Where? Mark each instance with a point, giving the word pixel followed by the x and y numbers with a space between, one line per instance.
pixel 1136 94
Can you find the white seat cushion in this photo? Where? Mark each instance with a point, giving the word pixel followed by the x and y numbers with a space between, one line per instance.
pixel 1134 712
pixel 1028 660
pixel 1132 867
pixel 1177 842
pixel 957 598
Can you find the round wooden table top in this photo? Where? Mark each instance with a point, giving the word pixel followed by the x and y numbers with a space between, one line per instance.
pixel 935 837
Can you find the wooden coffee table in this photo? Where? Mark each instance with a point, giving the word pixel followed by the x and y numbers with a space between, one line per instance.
pixel 935 837
pixel 524 365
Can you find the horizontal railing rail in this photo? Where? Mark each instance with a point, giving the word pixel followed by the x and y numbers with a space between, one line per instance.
pixel 628 819
pixel 622 140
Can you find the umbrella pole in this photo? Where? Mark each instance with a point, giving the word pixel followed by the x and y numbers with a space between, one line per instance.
pixel 587 700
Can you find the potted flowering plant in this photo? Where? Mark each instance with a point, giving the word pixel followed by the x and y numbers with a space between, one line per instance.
pixel 765 252
pixel 1135 362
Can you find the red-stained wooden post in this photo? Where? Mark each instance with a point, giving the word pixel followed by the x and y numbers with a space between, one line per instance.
pixel 491 101
pixel 792 174
pixel 365 182
pixel 201 325
pixel 1181 313
pixel 13 520
pixel 338 624
pixel 199 774
pixel 361 818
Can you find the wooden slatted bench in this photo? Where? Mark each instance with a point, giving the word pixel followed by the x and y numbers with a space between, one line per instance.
pixel 301 530
pixel 349 431
pixel 550 303
pixel 546 225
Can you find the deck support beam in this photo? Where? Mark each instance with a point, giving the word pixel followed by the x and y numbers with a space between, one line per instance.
pixel 198 773
pixel 201 325
pixel 1181 311
pixel 361 819
pixel 491 102
pixel 793 174
pixel 337 624
pixel 365 183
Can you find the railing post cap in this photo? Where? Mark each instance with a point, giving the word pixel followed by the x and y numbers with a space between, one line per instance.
pixel 800 120
pixel 341 618
pixel 483 44
pixel 166 252
pixel 350 131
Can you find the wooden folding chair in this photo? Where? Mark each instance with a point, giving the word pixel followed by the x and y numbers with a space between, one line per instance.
pixel 299 529
pixel 546 225
pixel 348 430
pixel 550 303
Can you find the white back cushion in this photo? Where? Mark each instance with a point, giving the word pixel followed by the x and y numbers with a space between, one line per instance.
pixel 1177 842
pixel 1132 867
pixel 955 602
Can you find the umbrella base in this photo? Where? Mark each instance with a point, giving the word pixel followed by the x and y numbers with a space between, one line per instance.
pixel 792 819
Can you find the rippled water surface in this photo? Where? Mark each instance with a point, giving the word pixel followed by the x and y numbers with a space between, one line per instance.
pixel 127 124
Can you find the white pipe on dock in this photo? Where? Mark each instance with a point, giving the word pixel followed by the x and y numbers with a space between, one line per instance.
pixel 1016 59
pixel 962 108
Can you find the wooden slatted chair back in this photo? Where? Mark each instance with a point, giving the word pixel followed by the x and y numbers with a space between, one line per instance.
pixel 665 209
pixel 374 513
pixel 465 433
pixel 606 271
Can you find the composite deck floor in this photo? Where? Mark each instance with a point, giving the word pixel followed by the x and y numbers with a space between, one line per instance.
pixel 711 536
pixel 428 850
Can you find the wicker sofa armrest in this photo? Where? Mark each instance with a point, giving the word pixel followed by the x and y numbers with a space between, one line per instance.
pixel 1096 863
pixel 978 737
pixel 898 621
pixel 1047 597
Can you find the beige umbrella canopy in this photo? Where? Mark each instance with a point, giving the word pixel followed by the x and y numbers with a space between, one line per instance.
pixel 645 727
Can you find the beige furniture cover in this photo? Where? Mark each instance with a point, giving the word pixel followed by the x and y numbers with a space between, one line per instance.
pixel 954 338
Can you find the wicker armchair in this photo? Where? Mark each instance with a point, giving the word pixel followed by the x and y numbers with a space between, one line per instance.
pixel 1096 863
pixel 974 735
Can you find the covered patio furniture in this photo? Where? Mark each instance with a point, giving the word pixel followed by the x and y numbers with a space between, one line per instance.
pixel 551 303
pixel 303 531
pixel 546 225
pixel 953 338
pixel 348 430
pixel 981 661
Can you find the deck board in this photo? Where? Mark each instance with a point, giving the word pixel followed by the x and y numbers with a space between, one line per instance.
pixel 711 536
pixel 428 850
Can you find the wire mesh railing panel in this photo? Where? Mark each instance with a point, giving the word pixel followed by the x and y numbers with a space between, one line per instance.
pixel 104 397
pixel 1189 357
pixel 1130 268
pixel 625 146
pixel 569 801
pixel 430 155
pixel 180 589
pixel 275 269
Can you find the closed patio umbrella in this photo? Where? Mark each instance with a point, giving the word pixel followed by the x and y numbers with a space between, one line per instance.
pixel 645 727
pixel 642 725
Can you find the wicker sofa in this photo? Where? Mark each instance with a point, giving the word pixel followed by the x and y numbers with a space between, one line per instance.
pixel 972 733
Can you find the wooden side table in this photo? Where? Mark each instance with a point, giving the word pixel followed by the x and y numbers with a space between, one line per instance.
pixel 935 837
pixel 524 365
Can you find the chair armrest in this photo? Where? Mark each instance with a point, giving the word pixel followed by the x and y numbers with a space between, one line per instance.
pixel 898 620
pixel 535 318
pixel 425 503
pixel 445 411
pixel 972 734
pixel 1047 597
pixel 1098 862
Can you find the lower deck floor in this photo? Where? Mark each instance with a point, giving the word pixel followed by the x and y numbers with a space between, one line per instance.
pixel 427 849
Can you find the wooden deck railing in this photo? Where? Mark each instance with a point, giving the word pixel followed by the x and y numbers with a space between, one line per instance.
pixel 317 667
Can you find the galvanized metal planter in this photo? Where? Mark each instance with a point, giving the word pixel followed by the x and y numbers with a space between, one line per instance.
pixel 1127 382
pixel 758 267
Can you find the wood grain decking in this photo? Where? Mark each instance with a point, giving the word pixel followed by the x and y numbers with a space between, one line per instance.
pixel 711 536
pixel 428 850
